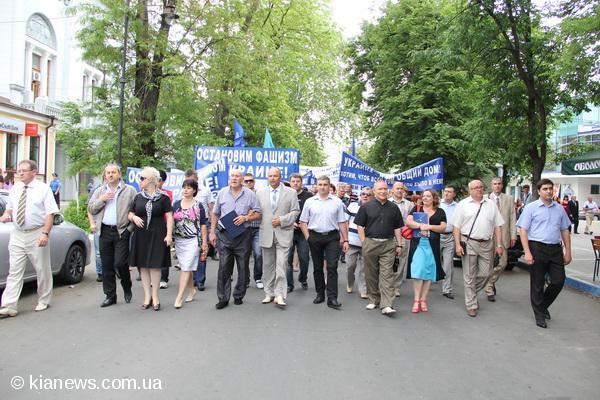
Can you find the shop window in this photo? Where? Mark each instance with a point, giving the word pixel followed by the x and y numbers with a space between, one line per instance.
pixel 12 149
pixel 595 189
pixel 34 149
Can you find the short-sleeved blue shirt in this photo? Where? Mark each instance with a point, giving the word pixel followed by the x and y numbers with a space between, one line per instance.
pixel 544 223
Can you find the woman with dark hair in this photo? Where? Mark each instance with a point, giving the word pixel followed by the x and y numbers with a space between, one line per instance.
pixel 424 261
pixel 565 205
pixel 190 235
pixel 151 213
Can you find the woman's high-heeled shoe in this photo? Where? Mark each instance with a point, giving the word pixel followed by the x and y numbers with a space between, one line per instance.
pixel 424 306
pixel 156 307
pixel 146 306
pixel 190 296
pixel 416 307
pixel 178 303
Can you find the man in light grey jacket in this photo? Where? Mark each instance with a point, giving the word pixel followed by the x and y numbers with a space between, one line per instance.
pixel 109 206
pixel 279 205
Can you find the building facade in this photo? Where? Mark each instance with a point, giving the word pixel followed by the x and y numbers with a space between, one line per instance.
pixel 44 69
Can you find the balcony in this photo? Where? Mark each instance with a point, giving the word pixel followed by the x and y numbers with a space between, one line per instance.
pixel 42 105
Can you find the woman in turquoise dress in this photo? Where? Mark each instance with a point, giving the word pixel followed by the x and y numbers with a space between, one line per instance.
pixel 424 262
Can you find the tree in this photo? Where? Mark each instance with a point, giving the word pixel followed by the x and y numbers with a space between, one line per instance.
pixel 272 64
pixel 417 103
pixel 524 65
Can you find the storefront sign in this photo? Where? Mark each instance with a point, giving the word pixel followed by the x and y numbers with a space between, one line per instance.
pixel 9 125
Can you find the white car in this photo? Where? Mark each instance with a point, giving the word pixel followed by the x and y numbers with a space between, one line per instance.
pixel 69 250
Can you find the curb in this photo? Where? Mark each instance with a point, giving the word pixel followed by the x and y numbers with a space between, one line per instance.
pixel 583 286
pixel 574 283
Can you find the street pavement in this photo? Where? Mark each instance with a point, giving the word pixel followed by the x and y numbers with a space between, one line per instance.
pixel 307 351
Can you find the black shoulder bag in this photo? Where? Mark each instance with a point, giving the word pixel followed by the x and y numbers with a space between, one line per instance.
pixel 463 244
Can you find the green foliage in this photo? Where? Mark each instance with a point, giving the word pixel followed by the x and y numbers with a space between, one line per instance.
pixel 78 216
pixel 274 65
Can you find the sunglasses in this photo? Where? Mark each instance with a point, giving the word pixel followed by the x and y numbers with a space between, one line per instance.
pixel 366 194
pixel 142 178
pixel 248 180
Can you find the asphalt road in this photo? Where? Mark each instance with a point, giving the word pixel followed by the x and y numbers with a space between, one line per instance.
pixel 306 351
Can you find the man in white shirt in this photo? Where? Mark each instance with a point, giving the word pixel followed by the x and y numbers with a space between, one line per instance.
pixel 405 206
pixel 31 207
pixel 355 269
pixel 590 208
pixel 477 221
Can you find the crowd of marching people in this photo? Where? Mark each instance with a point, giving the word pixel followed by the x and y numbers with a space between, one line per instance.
pixel 384 237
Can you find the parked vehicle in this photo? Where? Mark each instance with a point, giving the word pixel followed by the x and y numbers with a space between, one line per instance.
pixel 69 251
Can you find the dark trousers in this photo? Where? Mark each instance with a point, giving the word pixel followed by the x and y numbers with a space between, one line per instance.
pixel 575 223
pixel 164 271
pixel 325 247
pixel 230 251
pixel 200 274
pixel 548 259
pixel 114 251
pixel 299 243
pixel 256 253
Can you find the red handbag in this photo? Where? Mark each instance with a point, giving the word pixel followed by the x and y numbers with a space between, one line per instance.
pixel 406 232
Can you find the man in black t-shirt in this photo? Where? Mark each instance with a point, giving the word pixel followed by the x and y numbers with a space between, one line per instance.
pixel 379 223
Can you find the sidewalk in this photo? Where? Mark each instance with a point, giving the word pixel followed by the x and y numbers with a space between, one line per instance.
pixel 580 271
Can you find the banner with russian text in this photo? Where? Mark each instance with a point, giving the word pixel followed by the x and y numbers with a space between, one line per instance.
pixel 254 160
pixel 429 175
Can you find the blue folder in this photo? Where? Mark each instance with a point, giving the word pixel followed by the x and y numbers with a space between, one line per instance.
pixel 421 218
pixel 232 229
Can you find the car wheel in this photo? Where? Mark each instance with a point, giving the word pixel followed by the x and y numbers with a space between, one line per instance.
pixel 74 266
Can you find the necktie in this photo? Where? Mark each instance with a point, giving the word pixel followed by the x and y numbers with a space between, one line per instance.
pixel 21 207
pixel 498 202
pixel 274 200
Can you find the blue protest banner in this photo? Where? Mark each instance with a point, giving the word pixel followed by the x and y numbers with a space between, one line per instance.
pixel 429 175
pixel 254 160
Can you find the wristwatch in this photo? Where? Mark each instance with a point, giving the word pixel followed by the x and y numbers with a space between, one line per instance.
pixel 45 233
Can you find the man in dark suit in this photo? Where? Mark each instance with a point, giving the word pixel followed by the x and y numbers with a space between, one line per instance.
pixel 574 209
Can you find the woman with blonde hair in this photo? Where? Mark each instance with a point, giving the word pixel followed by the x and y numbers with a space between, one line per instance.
pixel 190 236
pixel 151 213
pixel 424 261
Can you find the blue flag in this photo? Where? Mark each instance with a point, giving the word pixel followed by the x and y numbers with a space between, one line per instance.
pixel 238 135
pixel 268 142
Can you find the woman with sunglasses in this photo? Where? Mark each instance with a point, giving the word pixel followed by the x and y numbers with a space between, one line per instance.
pixel 190 236
pixel 153 218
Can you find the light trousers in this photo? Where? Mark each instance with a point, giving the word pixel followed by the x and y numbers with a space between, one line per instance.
pixel 379 257
pixel 21 247
pixel 447 252
pixel 274 269
pixel 476 270
pixel 356 270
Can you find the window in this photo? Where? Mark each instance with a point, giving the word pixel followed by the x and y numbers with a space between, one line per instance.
pixel 12 149
pixel 36 75
pixel 34 149
pixel 595 189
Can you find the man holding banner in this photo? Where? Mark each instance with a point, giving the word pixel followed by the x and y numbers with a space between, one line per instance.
pixel 230 221
pixel 324 225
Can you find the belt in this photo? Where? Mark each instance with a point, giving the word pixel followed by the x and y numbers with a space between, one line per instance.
pixel 477 240
pixel 111 226
pixel 30 230
pixel 380 239
pixel 324 233
pixel 546 244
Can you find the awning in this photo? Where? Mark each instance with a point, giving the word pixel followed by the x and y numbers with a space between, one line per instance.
pixel 585 164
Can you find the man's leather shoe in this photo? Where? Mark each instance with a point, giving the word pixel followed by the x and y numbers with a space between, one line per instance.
pixel 290 289
pixel 127 296
pixel 237 302
pixel 491 298
pixel 541 324
pixel 448 295
pixel 267 299
pixel 221 305
pixel 547 315
pixel 333 303
pixel 201 287
pixel 304 285
pixel 319 299
pixel 8 312
pixel 109 301
pixel 279 301
pixel 472 312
